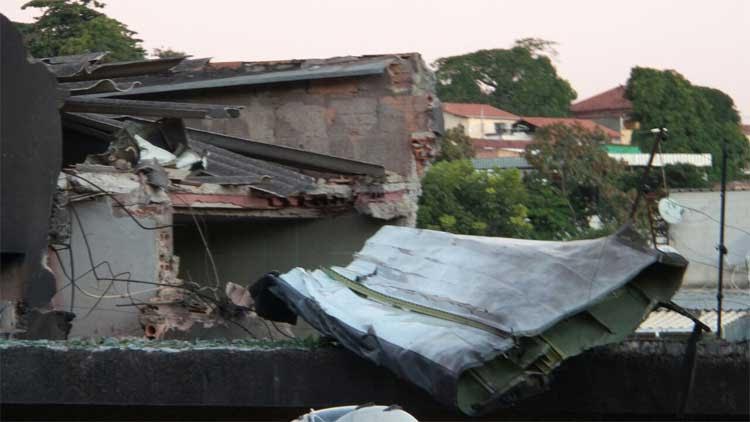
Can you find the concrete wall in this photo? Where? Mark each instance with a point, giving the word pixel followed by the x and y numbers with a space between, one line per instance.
pixel 114 238
pixel 697 236
pixel 246 250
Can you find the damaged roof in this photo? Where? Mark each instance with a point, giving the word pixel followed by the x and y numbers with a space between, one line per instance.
pixel 249 74
pixel 223 167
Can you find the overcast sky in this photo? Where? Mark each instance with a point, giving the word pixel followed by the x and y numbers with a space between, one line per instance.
pixel 599 41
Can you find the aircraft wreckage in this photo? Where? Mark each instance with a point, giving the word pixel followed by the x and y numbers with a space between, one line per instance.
pixel 478 322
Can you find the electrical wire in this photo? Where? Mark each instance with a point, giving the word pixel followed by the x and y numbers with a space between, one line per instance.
pixel 116 277
pixel 124 208
pixel 709 216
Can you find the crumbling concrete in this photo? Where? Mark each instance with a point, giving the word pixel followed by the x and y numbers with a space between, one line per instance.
pixel 391 119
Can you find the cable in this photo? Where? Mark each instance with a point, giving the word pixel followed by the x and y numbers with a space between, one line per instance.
pixel 124 208
pixel 710 217
pixel 205 242
pixel 279 330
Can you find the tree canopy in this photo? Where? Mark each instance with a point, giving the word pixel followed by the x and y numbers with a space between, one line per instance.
pixel 572 159
pixel 521 79
pixel 458 199
pixel 74 27
pixel 167 53
pixel 698 118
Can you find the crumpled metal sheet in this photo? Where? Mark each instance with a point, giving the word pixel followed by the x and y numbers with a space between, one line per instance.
pixel 98 87
pixel 226 167
pixel 521 287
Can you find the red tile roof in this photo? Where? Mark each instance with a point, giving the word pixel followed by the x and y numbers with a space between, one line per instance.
pixel 477 110
pixel 612 100
pixel 585 123
pixel 746 129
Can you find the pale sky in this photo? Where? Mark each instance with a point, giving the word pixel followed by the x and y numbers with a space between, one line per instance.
pixel 599 40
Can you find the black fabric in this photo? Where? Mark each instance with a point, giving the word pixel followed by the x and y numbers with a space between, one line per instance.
pixel 267 304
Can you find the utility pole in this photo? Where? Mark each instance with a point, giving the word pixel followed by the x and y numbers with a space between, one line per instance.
pixel 722 248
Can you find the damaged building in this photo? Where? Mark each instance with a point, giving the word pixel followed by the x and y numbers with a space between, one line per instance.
pixel 182 177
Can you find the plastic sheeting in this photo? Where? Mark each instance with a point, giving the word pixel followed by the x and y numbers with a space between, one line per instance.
pixel 519 287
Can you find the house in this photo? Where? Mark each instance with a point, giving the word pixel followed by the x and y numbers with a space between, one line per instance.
pixel 318 155
pixel 611 109
pixel 530 124
pixel 480 121
pixel 499 133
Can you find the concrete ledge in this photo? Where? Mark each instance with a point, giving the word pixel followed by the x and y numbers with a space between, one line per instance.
pixel 632 379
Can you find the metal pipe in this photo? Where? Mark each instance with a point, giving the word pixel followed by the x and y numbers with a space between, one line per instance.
pixel 659 134
pixel 722 248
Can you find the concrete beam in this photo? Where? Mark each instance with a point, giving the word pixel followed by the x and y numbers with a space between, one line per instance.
pixel 635 379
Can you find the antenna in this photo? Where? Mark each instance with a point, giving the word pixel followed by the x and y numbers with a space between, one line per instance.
pixel 670 211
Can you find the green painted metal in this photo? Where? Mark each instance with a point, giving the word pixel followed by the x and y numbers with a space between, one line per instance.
pixel 622 149
pixel 522 371
pixel 610 320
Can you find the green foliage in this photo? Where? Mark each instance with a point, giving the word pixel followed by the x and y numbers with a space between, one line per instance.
pixel 458 199
pixel 572 160
pixel 698 118
pixel 455 145
pixel 521 79
pixel 167 53
pixel 678 176
pixel 549 211
pixel 73 27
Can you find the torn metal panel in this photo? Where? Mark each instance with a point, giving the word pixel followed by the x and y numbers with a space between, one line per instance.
pixel 98 87
pixel 86 72
pixel 480 322
pixel 86 104
pixel 314 72
pixel 262 175
pixel 294 157
pixel 93 57
pixel 286 155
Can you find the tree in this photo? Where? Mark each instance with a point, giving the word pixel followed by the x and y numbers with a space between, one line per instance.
pixel 455 145
pixel 167 53
pixel 572 160
pixel 698 118
pixel 74 27
pixel 549 211
pixel 521 79
pixel 459 199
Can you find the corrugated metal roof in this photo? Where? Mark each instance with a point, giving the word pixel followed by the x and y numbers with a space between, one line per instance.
pixel 705 299
pixel 500 162
pixel 89 72
pixel 98 87
pixel 226 167
pixel 322 71
pixel 664 321
pixel 660 160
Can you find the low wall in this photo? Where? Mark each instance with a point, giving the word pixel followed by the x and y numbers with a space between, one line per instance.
pixel 642 379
